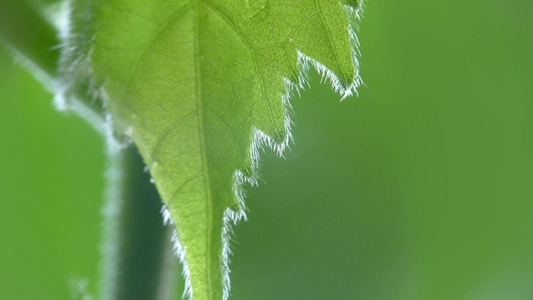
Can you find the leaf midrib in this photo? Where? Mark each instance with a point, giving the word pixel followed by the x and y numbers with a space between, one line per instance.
pixel 200 112
pixel 199 101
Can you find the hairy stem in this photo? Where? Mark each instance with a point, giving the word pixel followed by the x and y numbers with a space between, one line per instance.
pixel 30 34
pixel 138 259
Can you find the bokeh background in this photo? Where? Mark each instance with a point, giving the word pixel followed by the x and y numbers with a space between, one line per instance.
pixel 420 188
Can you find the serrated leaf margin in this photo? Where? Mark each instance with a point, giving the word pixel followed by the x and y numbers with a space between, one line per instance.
pixel 261 139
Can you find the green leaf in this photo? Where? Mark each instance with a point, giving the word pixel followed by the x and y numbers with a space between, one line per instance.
pixel 200 87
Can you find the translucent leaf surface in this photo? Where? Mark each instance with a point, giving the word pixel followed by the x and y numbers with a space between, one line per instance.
pixel 199 86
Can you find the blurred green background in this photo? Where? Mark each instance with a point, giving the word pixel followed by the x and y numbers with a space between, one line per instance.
pixel 421 188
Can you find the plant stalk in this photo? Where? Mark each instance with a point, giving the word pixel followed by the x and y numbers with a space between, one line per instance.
pixel 24 30
pixel 30 34
pixel 138 259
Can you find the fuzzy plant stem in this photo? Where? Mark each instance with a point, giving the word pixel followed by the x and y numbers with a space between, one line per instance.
pixel 27 32
pixel 138 261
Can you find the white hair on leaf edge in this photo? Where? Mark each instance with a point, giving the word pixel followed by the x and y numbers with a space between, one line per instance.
pixel 180 252
pixel 261 139
pixel 73 60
